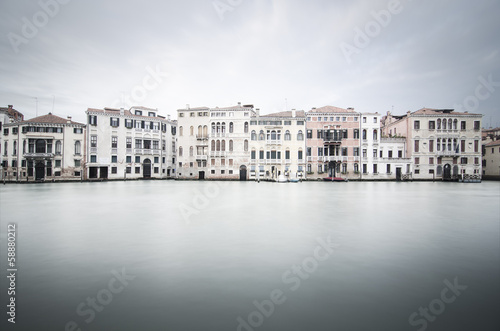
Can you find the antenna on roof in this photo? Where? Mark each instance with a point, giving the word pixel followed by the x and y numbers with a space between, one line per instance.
pixel 36 108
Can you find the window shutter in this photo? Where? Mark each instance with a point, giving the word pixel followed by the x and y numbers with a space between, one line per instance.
pixel 117 122
pixel 142 124
pixel 111 121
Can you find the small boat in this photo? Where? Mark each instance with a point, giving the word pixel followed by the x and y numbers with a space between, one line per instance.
pixel 293 180
pixel 281 179
pixel 335 179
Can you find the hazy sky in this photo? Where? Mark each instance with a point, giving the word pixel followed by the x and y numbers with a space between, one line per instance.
pixel 371 55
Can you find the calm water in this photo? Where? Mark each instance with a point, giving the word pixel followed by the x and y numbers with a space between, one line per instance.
pixel 202 253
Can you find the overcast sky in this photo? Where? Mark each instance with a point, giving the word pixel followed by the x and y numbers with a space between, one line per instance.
pixel 275 54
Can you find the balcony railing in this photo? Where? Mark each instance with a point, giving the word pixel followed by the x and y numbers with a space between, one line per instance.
pixel 202 157
pixel 218 135
pixel 273 142
pixel 273 161
pixel 38 155
pixel 93 149
pixel 447 153
pixel 201 137
pixel 217 154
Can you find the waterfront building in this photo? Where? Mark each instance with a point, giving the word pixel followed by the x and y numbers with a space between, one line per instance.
pixel 441 143
pixel 213 143
pixel 333 142
pixel 43 148
pixel 491 159
pixel 7 115
pixel 278 145
pixel 130 144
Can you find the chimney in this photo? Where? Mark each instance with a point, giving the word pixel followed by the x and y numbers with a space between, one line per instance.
pixel 122 111
pixel 187 106
pixel 239 104
pixel 168 117
pixel 293 112
pixel 10 107
pixel 69 119
pixel 257 112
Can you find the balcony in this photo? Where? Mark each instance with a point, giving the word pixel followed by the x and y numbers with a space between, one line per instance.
pixel 201 157
pixel 218 135
pixel 273 142
pixel 38 155
pixel 201 137
pixel 217 154
pixel 448 153
pixel 138 151
pixel 93 149
pixel 273 161
pixel 332 158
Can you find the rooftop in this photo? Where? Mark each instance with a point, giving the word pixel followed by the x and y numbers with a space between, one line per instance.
pixel 51 119
pixel 331 109
pixel 298 113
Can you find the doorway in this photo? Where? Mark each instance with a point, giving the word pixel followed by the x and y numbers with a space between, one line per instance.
pixel 243 173
pixel 398 173
pixel 146 168
pixel 447 172
pixel 201 175
pixel 40 170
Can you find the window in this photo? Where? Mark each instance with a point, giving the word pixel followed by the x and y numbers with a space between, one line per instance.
pixel 78 147
pixel 462 146
pixel 299 154
pixel 417 160
pixel 388 170
pixel 230 145
pixel 246 127
pixel 180 149
pixel 432 125
pixel 400 154
pixel 356 133
pixel 365 169
pixel 231 127
pixel 356 151
pixel 180 131
pixel 375 153
pixel 375 169
pixel 300 135
pixel 253 135
pixel 356 168
pixel 128 159
pixel 253 154
pixel 93 158
pixel 137 170
pixel 476 146
pixel 416 125
pixel 92 119
pixel 431 160
pixel 261 155
pixel 77 163
pixel 309 134
pixel 320 151
pixel 129 143
pixel 58 163
pixel 114 142
pixel 261 135
pixel 390 154
pixel 344 151
pixel 287 135
pixel 245 144
pixel 417 146
pixel 364 134
pixel 58 147
pixel 463 160
pixel 375 134
pixel 114 122
pixel 431 146
pixel 463 125
pixel 364 152
pixel 93 141
pixel 308 151
pixel 477 125
pixel 364 121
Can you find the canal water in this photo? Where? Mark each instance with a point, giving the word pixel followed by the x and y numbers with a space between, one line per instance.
pixel 181 255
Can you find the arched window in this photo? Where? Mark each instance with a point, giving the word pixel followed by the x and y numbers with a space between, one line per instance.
pixel 230 145
pixel 375 134
pixel 180 131
pixel 356 167
pixel 191 151
pixel 309 168
pixel 278 135
pixel 213 145
pixel 455 121
pixel 439 170
pixel 180 151
pixel 213 128
pixel 58 147
pixel 231 127
pixel 218 145
pixel 245 144
pixel 246 127
pixel 253 135
pixel 261 135
pixel 449 124
pixel 24 146
pixel 287 135
pixel 364 134
pixel 200 131
pixel 218 127
pixel 300 135
pixel 14 152
pixel 273 135
pixel 438 146
pixel 191 130
pixel 439 124
pixel 223 146
pixel 444 124
pixel 78 147
pixel 223 127
pixel 205 131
